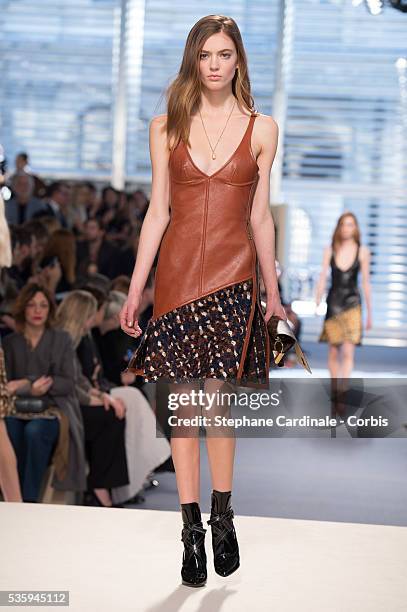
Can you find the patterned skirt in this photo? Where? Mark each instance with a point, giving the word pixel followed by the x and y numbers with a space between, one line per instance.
pixel 7 406
pixel 204 339
pixel 346 326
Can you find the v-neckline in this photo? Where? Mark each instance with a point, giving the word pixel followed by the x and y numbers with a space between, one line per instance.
pixel 33 349
pixel 351 266
pixel 209 176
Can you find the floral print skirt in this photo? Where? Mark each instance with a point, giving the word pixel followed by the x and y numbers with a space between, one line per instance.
pixel 204 339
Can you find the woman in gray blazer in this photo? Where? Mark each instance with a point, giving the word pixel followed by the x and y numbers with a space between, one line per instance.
pixel 39 363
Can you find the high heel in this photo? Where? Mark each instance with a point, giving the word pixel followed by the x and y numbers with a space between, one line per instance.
pixel 193 570
pixel 224 540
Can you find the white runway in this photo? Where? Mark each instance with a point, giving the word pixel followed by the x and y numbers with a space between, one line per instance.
pixel 118 560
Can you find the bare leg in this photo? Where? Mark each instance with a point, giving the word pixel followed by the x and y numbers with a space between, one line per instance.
pixel 104 496
pixel 335 372
pixel 9 481
pixel 185 448
pixel 333 361
pixel 348 351
pixel 221 448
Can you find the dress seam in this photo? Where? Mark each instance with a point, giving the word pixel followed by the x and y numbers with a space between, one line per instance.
pixel 202 295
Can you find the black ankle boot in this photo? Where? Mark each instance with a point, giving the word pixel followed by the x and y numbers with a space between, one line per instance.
pixel 193 570
pixel 224 541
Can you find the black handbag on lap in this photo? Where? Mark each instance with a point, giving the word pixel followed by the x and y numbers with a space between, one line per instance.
pixel 26 404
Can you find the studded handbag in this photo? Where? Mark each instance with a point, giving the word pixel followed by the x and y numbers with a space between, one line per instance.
pixel 282 339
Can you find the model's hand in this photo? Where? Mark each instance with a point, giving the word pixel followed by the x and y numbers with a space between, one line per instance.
pixel 368 322
pixel 128 316
pixel 274 307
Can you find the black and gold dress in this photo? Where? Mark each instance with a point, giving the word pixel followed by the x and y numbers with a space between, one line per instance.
pixel 207 320
pixel 343 319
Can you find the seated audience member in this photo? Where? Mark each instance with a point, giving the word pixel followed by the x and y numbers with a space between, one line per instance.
pixel 98 281
pixel 39 364
pixel 22 164
pixel 114 346
pixel 128 254
pixel 51 223
pixel 57 203
pixel 23 249
pixel 23 205
pixel 61 247
pixel 121 283
pixel 109 205
pixel 138 205
pixel 103 415
pixel 83 200
pixel 95 253
pixel 38 229
pixel 49 275
pixel 115 219
pixel 87 350
pixel 144 450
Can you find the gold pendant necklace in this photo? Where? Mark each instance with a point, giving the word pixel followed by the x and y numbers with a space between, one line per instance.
pixel 203 125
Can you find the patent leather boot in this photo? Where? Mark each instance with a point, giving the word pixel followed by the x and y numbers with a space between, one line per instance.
pixel 193 570
pixel 224 541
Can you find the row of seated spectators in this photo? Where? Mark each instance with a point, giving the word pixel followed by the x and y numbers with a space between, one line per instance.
pixel 73 253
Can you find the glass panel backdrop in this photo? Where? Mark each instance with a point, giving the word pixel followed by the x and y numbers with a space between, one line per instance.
pixel 343 118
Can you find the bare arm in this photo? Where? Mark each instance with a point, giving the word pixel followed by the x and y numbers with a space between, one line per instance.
pixel 321 284
pixel 154 225
pixel 365 271
pixel 261 219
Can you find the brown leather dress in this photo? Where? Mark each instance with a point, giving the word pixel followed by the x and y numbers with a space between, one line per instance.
pixel 206 283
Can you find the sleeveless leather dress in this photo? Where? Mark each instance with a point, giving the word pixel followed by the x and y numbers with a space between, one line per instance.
pixel 343 319
pixel 207 319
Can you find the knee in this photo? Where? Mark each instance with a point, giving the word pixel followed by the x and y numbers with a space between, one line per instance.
pixel 333 353
pixel 347 358
pixel 41 430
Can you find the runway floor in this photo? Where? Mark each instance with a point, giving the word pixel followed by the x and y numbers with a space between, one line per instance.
pixel 321 526
pixel 122 560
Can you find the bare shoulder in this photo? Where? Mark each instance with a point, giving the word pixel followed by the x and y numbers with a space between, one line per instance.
pixel 327 253
pixel 265 139
pixel 267 125
pixel 158 123
pixel 158 131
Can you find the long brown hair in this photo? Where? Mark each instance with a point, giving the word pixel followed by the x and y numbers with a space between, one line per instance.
pixel 336 236
pixel 62 244
pixel 184 93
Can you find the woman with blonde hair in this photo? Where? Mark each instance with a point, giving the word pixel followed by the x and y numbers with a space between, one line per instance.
pixel 144 450
pixel 9 482
pixel 343 329
pixel 209 212
pixel 103 416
